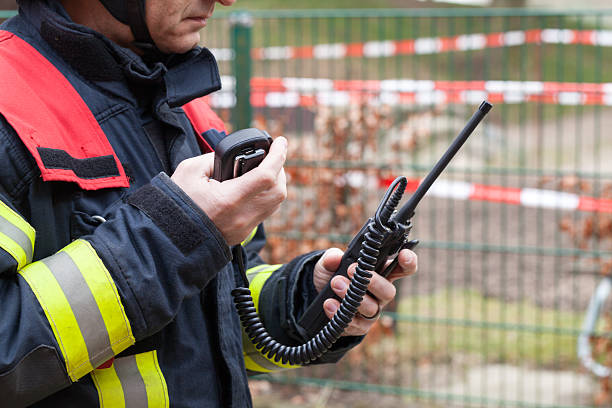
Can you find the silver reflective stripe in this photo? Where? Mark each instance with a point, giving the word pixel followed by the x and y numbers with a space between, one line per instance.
pixel 253 272
pixel 134 389
pixel 255 355
pixel 83 305
pixel 17 235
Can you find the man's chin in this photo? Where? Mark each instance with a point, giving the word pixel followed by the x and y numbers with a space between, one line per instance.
pixel 180 46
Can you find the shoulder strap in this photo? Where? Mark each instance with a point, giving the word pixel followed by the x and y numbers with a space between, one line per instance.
pixel 53 121
pixel 208 126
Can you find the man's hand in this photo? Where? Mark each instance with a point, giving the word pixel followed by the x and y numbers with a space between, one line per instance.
pixel 380 287
pixel 238 205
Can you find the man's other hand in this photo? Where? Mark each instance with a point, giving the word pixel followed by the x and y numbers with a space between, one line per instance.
pixel 380 287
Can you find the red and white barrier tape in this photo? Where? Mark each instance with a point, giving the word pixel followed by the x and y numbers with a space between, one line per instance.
pixel 305 92
pixel 427 45
pixel 527 197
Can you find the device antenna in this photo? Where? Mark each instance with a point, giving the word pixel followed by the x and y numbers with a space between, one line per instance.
pixel 407 211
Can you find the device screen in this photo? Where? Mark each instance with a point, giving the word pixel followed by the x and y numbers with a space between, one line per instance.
pixel 248 161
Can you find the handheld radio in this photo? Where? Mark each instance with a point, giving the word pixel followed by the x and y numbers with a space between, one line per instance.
pixel 240 152
pixel 379 241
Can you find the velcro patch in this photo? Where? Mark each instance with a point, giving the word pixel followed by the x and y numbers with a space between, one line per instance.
pixel 89 168
pixel 168 216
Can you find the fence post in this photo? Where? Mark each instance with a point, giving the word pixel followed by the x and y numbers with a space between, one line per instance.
pixel 242 27
pixel 7 14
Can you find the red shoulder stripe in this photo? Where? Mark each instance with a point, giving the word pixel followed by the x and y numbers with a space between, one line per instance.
pixel 203 118
pixel 53 121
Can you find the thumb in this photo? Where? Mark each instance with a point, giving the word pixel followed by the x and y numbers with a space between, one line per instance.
pixel 272 163
pixel 325 267
pixel 195 168
pixel 208 164
pixel 330 260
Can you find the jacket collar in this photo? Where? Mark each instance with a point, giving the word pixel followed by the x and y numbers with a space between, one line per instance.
pixel 176 80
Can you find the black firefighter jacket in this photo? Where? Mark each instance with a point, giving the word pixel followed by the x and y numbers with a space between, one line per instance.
pixel 121 296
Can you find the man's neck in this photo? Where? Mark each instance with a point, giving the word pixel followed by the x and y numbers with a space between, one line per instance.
pixel 92 14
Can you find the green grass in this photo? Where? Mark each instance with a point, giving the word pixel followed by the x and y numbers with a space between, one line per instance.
pixel 465 322
pixel 444 334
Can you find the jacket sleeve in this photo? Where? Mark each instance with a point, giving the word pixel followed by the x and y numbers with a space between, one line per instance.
pixel 281 294
pixel 64 315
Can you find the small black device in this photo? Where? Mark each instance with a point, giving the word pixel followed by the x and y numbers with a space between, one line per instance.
pixel 240 152
pixel 383 236
pixel 378 242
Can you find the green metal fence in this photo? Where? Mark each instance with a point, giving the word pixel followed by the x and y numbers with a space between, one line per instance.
pixel 516 237
pixel 511 252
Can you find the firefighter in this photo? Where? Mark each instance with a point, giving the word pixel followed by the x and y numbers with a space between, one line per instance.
pixel 115 277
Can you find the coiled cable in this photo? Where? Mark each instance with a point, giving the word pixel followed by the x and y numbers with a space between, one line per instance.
pixel 314 348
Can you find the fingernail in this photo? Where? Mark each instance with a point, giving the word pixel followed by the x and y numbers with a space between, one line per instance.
pixel 331 307
pixel 411 259
pixel 339 285
pixel 414 262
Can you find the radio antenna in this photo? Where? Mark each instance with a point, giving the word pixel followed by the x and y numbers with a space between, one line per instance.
pixel 407 211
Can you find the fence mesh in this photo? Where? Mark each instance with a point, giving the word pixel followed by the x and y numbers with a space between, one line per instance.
pixel 516 236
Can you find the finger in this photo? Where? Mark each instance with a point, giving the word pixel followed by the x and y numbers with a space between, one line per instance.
pixel 369 306
pixel 331 259
pixel 340 285
pixel 208 164
pixel 358 326
pixel 325 267
pixel 201 166
pixel 282 182
pixel 380 287
pixel 267 175
pixel 275 159
pixel 330 306
pixel 407 265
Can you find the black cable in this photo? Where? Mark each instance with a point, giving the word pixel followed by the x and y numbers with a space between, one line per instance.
pixel 377 230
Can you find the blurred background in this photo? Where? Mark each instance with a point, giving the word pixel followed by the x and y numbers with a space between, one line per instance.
pixel 516 238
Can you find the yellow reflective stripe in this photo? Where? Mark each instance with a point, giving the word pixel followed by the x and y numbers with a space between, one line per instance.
pixel 252 272
pixel 253 359
pixel 253 366
pixel 250 237
pixel 121 385
pixel 157 390
pixel 61 318
pixel 105 293
pixel 14 250
pixel 256 285
pixel 16 235
pixel 83 307
pixel 18 221
pixel 110 391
